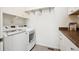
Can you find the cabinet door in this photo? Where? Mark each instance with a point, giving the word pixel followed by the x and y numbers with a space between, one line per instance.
pixel 71 46
pixel 1 46
pixel 66 44
pixel 62 42
pixel 1 24
pixel 61 45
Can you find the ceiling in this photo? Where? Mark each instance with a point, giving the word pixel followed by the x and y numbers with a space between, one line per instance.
pixel 22 8
pixel 28 8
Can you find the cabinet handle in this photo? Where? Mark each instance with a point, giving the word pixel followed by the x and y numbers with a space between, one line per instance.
pixel 60 38
pixel 1 39
pixel 72 49
pixel 25 33
pixel 71 10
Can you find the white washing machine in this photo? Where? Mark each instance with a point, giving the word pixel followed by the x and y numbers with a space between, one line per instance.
pixel 15 42
pixel 19 40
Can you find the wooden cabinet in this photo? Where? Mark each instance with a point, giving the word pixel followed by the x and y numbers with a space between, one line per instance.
pixel 73 11
pixel 66 44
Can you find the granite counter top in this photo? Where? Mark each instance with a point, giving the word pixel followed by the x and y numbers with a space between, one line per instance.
pixel 72 35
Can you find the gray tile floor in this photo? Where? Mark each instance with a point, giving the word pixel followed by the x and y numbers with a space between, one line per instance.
pixel 40 48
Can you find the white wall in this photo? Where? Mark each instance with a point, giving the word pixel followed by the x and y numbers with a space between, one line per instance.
pixel 63 19
pixel 46 26
pixel 18 11
pixel 13 20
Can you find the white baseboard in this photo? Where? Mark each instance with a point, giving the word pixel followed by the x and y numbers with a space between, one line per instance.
pixel 46 45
